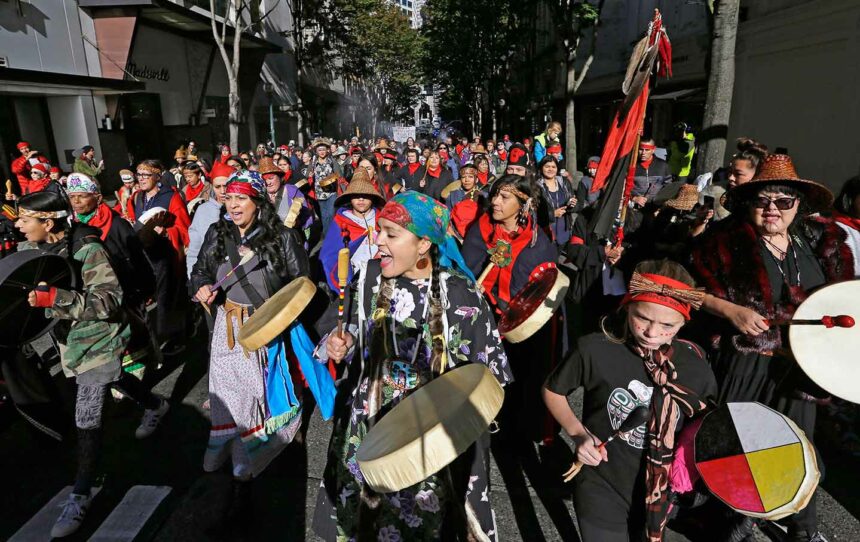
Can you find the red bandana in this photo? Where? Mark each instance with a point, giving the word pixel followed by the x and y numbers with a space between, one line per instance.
pixel 483 177
pixel 414 167
pixel 660 299
pixel 434 172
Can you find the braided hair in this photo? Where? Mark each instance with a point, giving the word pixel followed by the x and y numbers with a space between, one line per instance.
pixel 435 325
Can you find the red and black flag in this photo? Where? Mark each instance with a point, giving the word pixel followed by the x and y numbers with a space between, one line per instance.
pixel 618 162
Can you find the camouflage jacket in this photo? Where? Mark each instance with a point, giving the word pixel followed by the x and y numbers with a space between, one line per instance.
pixel 96 331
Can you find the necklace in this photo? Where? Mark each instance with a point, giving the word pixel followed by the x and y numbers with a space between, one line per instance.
pixel 780 261
pixel 782 253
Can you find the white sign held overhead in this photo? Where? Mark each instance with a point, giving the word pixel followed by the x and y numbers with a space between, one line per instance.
pixel 402 133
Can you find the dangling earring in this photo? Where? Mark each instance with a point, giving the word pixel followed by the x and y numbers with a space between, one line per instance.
pixel 423 262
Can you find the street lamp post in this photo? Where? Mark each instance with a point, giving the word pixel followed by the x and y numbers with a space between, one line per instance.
pixel 269 89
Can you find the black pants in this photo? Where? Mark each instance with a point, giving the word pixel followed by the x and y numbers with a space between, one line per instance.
pixel 603 514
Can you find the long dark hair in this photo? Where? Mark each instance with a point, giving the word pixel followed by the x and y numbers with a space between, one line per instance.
pixel 267 244
pixel 527 186
pixel 544 161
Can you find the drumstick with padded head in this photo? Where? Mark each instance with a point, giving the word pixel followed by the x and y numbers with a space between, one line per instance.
pixel 342 275
pixel 637 417
pixel 842 320
pixel 9 192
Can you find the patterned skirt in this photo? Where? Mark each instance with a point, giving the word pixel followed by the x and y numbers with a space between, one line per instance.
pixel 237 398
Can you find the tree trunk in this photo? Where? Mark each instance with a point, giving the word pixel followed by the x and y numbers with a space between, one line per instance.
pixel 570 115
pixel 721 81
pixel 300 113
pixel 235 114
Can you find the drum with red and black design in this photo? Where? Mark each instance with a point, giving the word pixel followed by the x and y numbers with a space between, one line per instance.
pixel 534 305
pixel 755 460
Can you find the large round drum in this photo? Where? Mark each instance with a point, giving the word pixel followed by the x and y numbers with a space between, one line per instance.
pixel 277 313
pixel 533 306
pixel 755 460
pixel 829 356
pixel 20 272
pixel 430 428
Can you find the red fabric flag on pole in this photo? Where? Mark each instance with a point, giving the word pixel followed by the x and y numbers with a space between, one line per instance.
pixel 618 161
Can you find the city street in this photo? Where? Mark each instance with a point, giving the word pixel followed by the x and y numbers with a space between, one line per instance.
pixel 560 270
pixel 526 508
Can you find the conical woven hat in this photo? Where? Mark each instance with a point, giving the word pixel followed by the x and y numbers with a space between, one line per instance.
pixel 360 185
pixel 687 198
pixel 779 169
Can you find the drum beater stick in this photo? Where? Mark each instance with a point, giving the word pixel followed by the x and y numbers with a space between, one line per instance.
pixel 637 417
pixel 842 320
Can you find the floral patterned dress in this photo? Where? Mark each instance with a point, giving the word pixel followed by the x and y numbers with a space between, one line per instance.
pixel 417 512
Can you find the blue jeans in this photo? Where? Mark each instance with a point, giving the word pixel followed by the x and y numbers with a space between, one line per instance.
pixel 326 213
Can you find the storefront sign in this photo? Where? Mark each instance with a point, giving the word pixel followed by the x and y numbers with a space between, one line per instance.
pixel 145 72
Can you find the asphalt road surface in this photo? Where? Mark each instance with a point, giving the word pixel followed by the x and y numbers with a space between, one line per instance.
pixel 529 502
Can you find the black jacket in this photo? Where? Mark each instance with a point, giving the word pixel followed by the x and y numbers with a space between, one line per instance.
pixel 433 186
pixel 126 254
pixel 296 262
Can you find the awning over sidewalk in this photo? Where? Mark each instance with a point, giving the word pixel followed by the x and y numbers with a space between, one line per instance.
pixel 17 81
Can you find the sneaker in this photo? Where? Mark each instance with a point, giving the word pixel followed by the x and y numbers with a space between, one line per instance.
pixel 150 420
pixel 74 510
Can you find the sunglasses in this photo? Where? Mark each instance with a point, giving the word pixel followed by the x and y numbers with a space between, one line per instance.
pixel 783 204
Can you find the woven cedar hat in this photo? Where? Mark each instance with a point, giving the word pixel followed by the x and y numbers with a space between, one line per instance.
pixel 341 151
pixel 779 169
pixel 382 146
pixel 687 198
pixel 479 149
pixel 267 165
pixel 360 185
pixel 320 142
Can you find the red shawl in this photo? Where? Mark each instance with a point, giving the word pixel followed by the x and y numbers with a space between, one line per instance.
pixel 519 240
pixel 102 219
pixel 192 192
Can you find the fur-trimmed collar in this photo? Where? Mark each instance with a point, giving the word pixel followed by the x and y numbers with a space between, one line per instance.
pixel 729 264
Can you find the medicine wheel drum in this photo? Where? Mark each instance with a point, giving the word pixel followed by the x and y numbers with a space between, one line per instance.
pixel 755 460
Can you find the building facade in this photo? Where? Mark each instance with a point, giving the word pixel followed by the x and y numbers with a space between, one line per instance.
pixel 795 75
pixel 138 78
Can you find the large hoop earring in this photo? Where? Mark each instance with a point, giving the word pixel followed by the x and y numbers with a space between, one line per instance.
pixel 423 262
